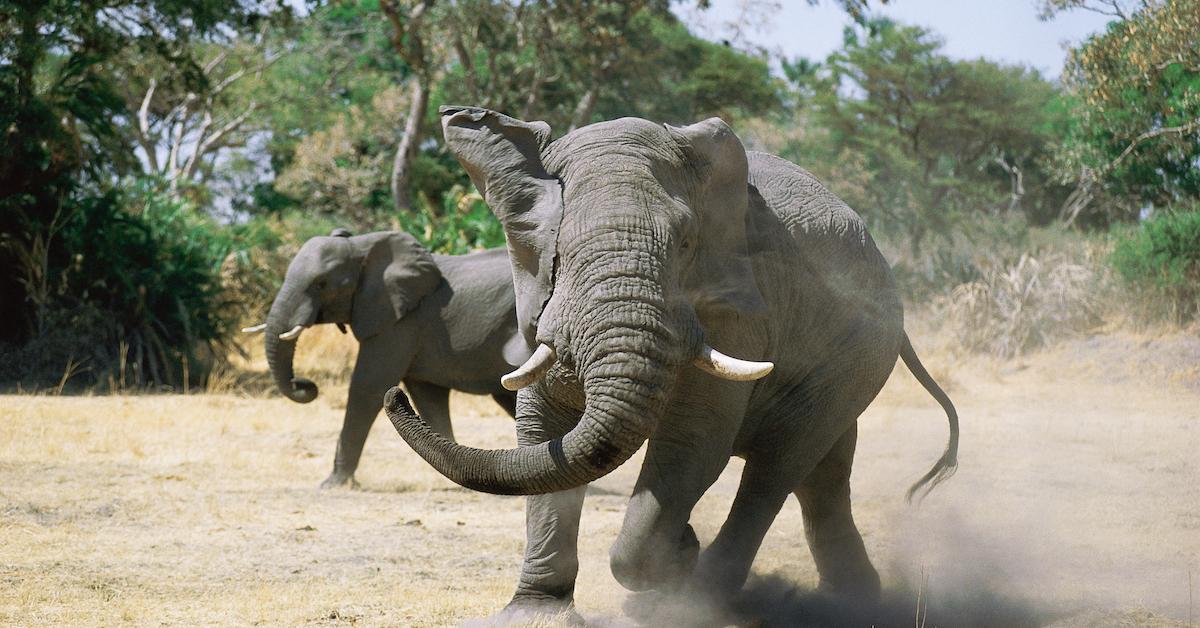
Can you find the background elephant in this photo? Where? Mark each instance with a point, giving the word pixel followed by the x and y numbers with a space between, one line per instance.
pixel 436 322
pixel 636 249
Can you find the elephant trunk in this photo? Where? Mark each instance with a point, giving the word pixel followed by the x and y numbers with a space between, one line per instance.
pixel 280 352
pixel 626 360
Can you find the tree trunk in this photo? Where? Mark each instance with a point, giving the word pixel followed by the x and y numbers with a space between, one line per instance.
pixel 583 111
pixel 407 149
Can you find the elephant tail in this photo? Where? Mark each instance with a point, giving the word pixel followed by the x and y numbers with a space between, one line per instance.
pixel 948 463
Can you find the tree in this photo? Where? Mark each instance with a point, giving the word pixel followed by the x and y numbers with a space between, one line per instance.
pixel 1136 91
pixel 181 125
pixel 531 59
pixel 408 38
pixel 918 141
pixel 63 151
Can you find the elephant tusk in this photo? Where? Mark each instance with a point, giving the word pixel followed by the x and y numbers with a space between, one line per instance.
pixel 292 333
pixel 716 363
pixel 531 370
pixel 255 329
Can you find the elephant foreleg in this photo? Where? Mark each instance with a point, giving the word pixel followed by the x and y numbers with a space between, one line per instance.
pixel 836 545
pixel 725 564
pixel 364 403
pixel 551 563
pixel 373 375
pixel 433 403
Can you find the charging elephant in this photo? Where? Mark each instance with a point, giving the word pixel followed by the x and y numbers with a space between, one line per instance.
pixel 638 250
pixel 434 322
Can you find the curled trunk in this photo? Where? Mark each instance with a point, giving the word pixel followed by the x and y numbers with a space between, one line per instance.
pixel 625 378
pixel 281 352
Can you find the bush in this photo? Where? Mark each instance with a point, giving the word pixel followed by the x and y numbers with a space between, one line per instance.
pixel 135 294
pixel 1160 261
pixel 956 258
pixel 1016 307
pixel 464 223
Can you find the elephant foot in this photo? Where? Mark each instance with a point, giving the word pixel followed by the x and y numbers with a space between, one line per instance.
pixel 338 479
pixel 859 583
pixel 533 611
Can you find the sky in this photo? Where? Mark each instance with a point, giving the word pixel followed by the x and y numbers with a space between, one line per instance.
pixel 1000 30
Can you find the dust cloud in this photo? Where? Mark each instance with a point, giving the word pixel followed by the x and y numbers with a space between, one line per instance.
pixel 944 570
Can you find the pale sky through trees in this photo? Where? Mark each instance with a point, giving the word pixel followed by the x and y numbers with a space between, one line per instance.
pixel 1000 30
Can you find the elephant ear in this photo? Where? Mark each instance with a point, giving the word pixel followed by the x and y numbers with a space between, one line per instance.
pixel 722 277
pixel 503 157
pixel 397 273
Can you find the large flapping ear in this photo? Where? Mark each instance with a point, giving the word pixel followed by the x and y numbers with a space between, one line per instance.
pixel 722 278
pixel 503 157
pixel 397 273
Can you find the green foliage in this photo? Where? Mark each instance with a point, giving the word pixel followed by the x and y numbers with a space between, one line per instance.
pixel 60 109
pixel 680 78
pixel 338 58
pixel 136 292
pixel 1135 106
pixel 924 147
pixel 464 224
pixel 1160 258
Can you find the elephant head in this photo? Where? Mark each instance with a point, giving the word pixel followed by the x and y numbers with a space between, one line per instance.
pixel 368 281
pixel 626 238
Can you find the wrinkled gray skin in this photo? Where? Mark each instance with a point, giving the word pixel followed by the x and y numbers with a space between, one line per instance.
pixel 632 244
pixel 434 322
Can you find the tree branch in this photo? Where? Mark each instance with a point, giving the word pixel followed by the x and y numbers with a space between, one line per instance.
pixel 143 127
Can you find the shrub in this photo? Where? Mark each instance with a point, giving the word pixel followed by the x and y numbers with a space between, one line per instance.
pixel 956 258
pixel 1017 307
pixel 1159 261
pixel 464 223
pixel 136 294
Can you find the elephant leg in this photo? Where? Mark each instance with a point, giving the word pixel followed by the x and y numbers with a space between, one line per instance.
pixel 836 545
pixel 433 403
pixel 657 547
pixel 377 368
pixel 725 564
pixel 507 401
pixel 551 563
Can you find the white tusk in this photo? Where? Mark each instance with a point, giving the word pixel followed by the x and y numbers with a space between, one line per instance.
pixel 533 368
pixel 292 333
pixel 255 329
pixel 712 361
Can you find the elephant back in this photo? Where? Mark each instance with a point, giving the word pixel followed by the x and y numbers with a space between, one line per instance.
pixel 831 239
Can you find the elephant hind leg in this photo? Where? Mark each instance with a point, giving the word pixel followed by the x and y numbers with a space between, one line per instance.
pixel 834 540
pixel 433 402
pixel 507 401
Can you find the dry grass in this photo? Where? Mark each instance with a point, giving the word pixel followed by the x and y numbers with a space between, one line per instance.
pixel 1029 304
pixel 1077 493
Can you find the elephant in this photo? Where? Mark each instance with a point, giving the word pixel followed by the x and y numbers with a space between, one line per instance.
pixel 435 322
pixel 644 256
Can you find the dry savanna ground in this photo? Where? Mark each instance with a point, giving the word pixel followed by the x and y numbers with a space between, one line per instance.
pixel 1077 503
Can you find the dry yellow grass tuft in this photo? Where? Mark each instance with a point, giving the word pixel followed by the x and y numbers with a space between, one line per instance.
pixel 1026 305
pixel 1076 492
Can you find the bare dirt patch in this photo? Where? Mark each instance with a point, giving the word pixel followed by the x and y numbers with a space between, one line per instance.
pixel 1077 502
